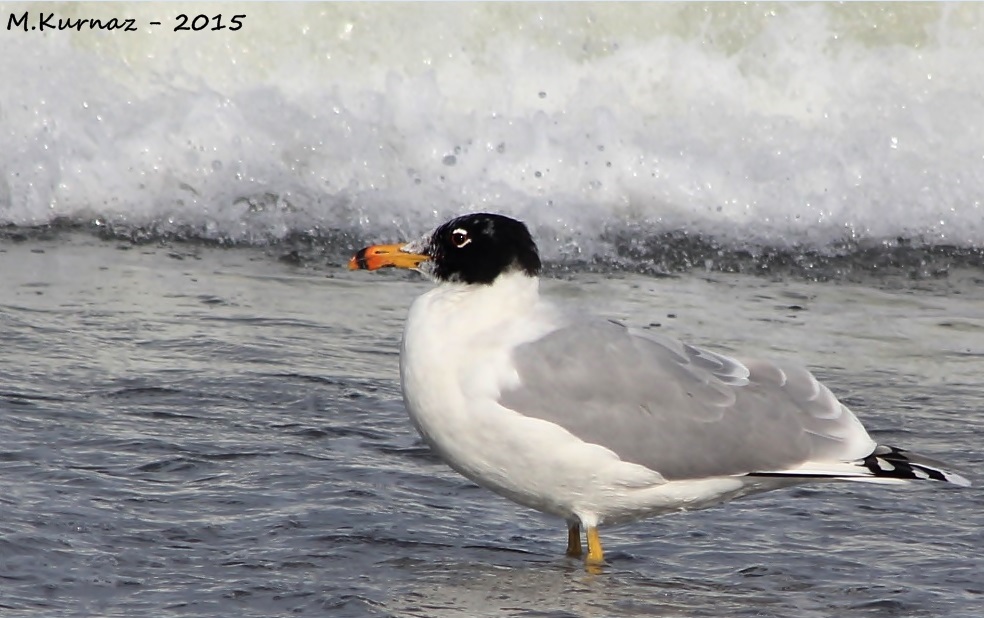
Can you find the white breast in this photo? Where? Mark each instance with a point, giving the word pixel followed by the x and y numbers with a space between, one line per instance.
pixel 455 359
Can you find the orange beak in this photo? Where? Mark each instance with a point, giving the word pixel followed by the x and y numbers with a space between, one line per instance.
pixel 381 256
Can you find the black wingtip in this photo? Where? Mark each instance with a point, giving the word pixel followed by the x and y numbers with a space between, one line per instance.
pixel 893 462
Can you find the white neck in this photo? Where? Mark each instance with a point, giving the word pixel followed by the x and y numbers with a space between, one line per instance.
pixel 454 337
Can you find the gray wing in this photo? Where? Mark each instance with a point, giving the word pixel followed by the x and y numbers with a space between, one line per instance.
pixel 680 410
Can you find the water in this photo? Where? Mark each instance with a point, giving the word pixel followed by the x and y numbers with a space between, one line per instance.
pixel 199 406
pixel 204 431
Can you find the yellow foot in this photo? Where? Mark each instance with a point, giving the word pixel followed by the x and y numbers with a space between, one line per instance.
pixel 596 557
pixel 574 541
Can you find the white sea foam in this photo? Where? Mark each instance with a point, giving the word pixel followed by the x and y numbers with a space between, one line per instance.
pixel 756 125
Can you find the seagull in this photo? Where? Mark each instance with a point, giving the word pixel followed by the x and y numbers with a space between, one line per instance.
pixel 583 418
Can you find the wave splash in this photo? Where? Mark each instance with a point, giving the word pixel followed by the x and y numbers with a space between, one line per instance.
pixel 651 137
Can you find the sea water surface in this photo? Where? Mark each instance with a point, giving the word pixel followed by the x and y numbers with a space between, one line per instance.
pixel 200 410
pixel 203 431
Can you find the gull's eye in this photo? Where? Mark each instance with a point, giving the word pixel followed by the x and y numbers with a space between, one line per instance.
pixel 459 238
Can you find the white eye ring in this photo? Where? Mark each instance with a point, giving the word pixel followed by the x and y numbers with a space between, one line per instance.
pixel 459 238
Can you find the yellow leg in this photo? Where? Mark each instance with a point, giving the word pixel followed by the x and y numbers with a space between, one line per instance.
pixel 596 556
pixel 574 541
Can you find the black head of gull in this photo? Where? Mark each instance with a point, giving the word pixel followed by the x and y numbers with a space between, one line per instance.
pixel 472 249
pixel 477 248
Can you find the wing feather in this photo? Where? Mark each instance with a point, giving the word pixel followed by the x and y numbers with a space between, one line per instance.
pixel 681 410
